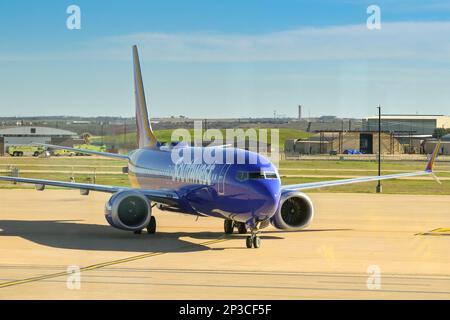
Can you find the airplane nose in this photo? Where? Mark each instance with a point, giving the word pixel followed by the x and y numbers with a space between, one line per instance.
pixel 269 194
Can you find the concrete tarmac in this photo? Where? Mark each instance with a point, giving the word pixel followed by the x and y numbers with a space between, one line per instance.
pixel 360 246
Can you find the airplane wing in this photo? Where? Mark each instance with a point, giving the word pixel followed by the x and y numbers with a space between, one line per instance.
pixel 99 153
pixel 321 184
pixel 161 196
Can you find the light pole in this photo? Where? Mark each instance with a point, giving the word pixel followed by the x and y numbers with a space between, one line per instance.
pixel 101 126
pixel 379 187
pixel 125 134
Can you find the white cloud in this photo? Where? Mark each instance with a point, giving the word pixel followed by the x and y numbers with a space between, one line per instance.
pixel 396 40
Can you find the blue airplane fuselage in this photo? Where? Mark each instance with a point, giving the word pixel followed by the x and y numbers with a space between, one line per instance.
pixel 236 184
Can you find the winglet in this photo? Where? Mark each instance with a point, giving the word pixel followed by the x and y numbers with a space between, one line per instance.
pixel 145 135
pixel 433 157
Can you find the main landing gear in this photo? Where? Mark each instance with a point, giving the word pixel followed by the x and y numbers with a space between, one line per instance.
pixel 151 228
pixel 229 225
pixel 242 228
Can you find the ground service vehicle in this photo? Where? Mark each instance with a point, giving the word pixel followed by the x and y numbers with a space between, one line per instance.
pixel 89 147
pixel 24 150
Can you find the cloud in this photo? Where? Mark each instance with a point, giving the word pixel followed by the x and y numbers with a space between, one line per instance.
pixel 396 40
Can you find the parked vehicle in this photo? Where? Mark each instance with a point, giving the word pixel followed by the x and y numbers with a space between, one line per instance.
pixel 63 153
pixel 89 147
pixel 24 150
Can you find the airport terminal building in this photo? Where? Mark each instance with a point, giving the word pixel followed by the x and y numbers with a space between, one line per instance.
pixel 22 135
pixel 416 125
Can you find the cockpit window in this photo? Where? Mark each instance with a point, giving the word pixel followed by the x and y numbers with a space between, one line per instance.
pixel 245 175
pixel 271 175
pixel 256 175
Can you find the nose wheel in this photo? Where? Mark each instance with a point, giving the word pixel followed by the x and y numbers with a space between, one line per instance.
pixel 253 241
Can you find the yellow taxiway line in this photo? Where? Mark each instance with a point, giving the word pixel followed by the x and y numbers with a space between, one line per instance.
pixel 103 264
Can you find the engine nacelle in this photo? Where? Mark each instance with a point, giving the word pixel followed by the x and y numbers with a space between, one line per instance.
pixel 128 210
pixel 295 211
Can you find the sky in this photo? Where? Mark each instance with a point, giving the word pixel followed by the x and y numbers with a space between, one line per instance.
pixel 228 58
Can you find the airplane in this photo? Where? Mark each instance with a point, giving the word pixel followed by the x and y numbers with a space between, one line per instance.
pixel 248 196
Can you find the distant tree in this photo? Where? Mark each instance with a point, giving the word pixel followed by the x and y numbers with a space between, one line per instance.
pixel 440 132
pixel 86 137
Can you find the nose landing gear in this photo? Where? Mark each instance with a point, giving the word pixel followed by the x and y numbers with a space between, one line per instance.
pixel 253 241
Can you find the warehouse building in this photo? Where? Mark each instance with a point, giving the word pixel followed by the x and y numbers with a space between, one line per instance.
pixel 22 135
pixel 429 145
pixel 420 125
pixel 339 142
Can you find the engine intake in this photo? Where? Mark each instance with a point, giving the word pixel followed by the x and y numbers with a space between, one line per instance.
pixel 128 210
pixel 295 211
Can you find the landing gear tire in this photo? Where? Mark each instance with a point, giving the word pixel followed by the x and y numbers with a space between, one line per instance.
pixel 256 242
pixel 249 242
pixel 151 228
pixel 253 242
pixel 228 226
pixel 137 231
pixel 242 228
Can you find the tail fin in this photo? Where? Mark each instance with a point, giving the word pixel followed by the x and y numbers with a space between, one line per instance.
pixel 433 157
pixel 145 136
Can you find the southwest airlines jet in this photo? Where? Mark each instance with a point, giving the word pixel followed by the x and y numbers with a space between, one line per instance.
pixel 248 195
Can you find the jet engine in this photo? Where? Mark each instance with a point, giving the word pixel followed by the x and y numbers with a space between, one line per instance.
pixel 295 211
pixel 128 210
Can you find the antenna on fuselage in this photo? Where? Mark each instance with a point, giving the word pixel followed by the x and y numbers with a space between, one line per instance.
pixel 145 136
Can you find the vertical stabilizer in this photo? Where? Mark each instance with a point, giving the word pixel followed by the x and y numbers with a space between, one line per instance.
pixel 145 135
pixel 433 157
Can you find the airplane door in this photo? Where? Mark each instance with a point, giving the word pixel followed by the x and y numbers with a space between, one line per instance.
pixel 221 180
